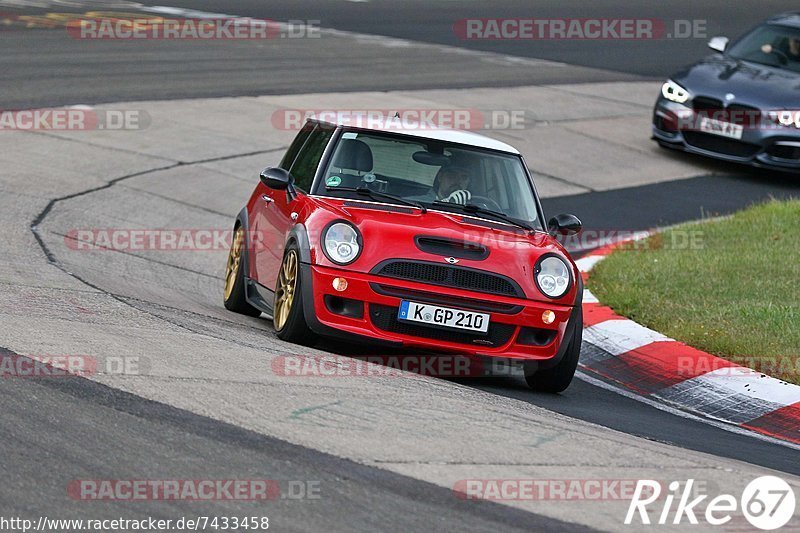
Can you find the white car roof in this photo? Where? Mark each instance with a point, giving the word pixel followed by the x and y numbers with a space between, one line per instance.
pixel 394 125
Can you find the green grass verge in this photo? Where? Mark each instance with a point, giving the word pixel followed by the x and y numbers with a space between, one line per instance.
pixel 729 287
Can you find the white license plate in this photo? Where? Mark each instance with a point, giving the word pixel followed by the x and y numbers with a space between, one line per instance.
pixel 718 127
pixel 434 315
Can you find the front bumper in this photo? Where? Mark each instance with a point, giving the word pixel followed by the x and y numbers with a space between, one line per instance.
pixel 763 145
pixel 516 328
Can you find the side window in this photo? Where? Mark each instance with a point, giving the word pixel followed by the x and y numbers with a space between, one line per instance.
pixel 296 145
pixel 305 166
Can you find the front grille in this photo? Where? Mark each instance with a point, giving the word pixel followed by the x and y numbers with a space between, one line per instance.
pixel 704 104
pixel 720 145
pixel 384 317
pixel 743 115
pixel 441 299
pixel 449 276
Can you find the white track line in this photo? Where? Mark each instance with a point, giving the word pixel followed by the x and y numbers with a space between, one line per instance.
pixel 621 336
pixel 683 414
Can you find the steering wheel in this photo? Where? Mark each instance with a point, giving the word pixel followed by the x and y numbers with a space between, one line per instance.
pixel 782 57
pixel 486 203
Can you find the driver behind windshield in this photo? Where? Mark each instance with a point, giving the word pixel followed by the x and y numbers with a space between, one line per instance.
pixel 450 185
pixel 794 49
pixel 791 50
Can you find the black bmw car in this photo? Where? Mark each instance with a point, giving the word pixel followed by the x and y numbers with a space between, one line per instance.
pixel 740 104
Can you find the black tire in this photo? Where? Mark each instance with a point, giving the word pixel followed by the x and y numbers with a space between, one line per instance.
pixel 236 300
pixel 558 378
pixel 295 329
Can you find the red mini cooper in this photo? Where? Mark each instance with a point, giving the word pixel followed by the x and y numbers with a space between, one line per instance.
pixel 429 239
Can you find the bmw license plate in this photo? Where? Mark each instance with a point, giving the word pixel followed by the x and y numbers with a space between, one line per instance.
pixel 724 129
pixel 433 315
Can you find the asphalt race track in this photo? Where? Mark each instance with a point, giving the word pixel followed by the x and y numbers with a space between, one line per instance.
pixel 44 69
pixel 205 401
pixel 84 418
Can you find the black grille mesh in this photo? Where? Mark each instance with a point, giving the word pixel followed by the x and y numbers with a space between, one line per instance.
pixel 741 114
pixel 720 145
pixel 461 278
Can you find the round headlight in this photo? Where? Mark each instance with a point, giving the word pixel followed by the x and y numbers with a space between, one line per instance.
pixel 552 276
pixel 341 243
pixel 674 92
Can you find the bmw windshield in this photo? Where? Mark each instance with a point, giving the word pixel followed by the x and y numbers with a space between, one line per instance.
pixel 432 173
pixel 770 44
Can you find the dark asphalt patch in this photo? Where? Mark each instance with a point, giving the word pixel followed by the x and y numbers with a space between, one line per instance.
pixel 607 408
pixel 661 204
pixel 97 432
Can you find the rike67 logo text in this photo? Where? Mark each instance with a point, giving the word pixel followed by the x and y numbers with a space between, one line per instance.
pixel 768 503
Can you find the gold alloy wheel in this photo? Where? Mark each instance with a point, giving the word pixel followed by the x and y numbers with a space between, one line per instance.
pixel 284 294
pixel 234 258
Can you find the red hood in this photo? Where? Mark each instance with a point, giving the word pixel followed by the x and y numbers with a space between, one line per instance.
pixel 391 235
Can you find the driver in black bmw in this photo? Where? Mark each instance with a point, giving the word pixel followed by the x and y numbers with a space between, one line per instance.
pixel 794 49
pixel 791 50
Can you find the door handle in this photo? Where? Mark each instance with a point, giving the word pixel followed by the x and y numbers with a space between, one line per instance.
pixel 266 198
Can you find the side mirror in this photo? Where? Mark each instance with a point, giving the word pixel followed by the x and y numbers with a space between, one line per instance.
pixel 718 44
pixel 276 178
pixel 564 225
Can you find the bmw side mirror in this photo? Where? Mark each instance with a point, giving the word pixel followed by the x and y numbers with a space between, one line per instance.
pixel 276 178
pixel 564 225
pixel 718 44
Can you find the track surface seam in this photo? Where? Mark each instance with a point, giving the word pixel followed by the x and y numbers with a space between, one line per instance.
pixel 34 226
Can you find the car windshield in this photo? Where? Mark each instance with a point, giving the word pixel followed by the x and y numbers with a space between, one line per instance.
pixel 770 44
pixel 436 174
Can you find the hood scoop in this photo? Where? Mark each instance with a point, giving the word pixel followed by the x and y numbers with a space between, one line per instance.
pixel 379 207
pixel 451 248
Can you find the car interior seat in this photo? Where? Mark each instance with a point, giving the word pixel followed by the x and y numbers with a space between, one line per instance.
pixel 353 160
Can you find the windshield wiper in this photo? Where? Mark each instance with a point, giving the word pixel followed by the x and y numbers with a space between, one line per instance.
pixel 475 209
pixel 364 191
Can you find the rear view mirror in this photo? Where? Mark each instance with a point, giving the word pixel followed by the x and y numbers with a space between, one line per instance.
pixel 718 44
pixel 564 225
pixel 276 178
pixel 430 158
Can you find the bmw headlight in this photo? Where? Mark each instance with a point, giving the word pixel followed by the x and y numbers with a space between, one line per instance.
pixel 552 276
pixel 674 92
pixel 341 243
pixel 786 118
